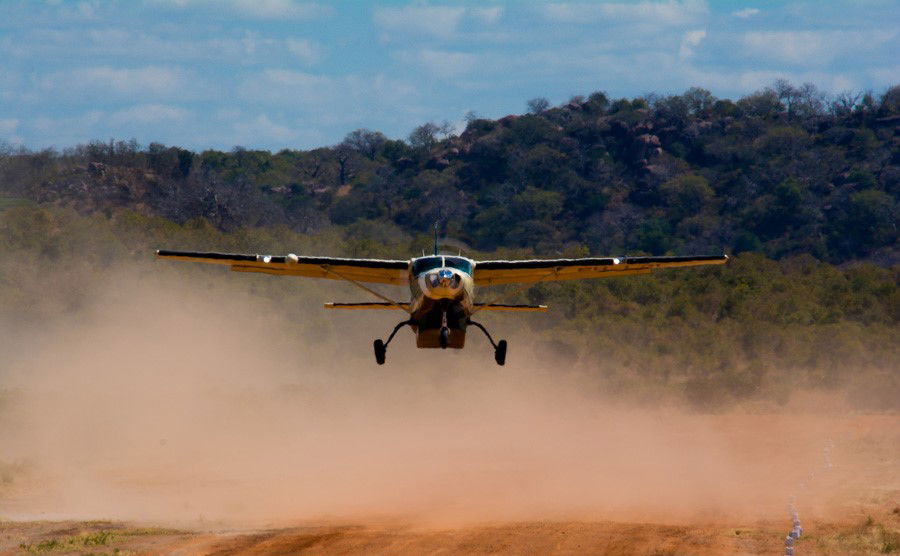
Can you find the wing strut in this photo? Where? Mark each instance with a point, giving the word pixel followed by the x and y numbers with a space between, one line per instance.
pixel 405 307
pixel 514 291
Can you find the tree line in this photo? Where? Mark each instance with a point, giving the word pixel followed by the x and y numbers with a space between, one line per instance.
pixel 782 171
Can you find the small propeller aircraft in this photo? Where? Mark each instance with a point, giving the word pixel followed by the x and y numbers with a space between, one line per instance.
pixel 442 286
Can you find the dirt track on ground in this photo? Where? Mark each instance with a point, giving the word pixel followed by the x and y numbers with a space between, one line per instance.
pixel 847 494
pixel 194 432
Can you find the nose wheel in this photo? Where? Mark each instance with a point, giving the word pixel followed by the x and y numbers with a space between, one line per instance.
pixel 499 347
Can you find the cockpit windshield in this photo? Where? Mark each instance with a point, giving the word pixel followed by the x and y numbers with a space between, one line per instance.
pixel 459 263
pixel 423 264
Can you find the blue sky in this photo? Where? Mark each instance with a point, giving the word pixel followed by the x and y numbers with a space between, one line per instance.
pixel 275 74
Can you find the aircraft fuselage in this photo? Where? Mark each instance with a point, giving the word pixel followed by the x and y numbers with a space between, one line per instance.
pixel 442 293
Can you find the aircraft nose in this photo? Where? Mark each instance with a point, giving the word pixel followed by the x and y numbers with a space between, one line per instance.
pixel 444 278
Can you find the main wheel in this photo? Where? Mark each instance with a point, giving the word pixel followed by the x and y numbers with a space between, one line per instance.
pixel 380 352
pixel 500 352
pixel 444 338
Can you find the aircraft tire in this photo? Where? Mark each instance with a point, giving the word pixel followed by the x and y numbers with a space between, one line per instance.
pixel 444 337
pixel 500 353
pixel 380 351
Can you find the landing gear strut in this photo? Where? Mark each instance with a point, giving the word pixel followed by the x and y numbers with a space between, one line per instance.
pixel 499 347
pixel 381 347
pixel 444 337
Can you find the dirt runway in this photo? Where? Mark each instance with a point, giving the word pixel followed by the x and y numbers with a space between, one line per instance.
pixel 159 420
pixel 847 496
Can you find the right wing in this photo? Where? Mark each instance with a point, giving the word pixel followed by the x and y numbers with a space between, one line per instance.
pixel 489 273
pixel 382 271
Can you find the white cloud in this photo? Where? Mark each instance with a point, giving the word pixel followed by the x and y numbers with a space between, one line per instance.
pixel 69 130
pixel 8 129
pixel 88 9
pixel 442 22
pixel 689 41
pixel 745 13
pixel 313 91
pixel 305 50
pixel 437 21
pixel 8 126
pixel 812 47
pixel 257 9
pixel 665 12
pixel 262 128
pixel 886 76
pixel 149 114
pixel 487 15
pixel 146 81
pixel 279 9
pixel 443 63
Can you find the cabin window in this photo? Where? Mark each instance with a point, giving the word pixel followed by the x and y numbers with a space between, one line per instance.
pixel 459 263
pixel 424 264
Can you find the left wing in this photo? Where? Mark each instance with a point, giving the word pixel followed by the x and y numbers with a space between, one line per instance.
pixel 380 271
pixel 489 273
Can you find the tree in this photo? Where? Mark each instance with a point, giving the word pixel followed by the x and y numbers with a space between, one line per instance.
pixel 890 101
pixel 762 104
pixel 538 106
pixel 598 101
pixel 868 221
pixel 843 103
pixel 698 100
pixel 366 142
pixel 424 137
pixel 687 194
pixel 347 163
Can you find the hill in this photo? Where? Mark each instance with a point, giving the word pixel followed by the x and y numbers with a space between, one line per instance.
pixel 784 171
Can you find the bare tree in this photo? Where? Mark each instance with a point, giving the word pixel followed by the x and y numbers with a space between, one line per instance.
pixel 347 165
pixel 310 165
pixel 538 106
pixel 425 136
pixel 844 102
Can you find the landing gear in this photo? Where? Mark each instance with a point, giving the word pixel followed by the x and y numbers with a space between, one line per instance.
pixel 380 351
pixel 444 337
pixel 499 347
pixel 381 347
pixel 500 353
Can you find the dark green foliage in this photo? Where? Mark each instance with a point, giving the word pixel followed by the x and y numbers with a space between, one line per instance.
pixel 783 171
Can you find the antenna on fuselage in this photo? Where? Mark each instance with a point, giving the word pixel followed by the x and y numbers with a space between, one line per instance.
pixel 436 224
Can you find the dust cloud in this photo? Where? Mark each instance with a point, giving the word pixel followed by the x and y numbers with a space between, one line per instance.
pixel 157 400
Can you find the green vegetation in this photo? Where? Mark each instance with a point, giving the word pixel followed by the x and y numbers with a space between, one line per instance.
pixel 869 537
pixel 86 542
pixel 71 543
pixel 784 171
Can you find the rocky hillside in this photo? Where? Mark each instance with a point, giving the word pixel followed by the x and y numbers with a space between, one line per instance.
pixel 783 171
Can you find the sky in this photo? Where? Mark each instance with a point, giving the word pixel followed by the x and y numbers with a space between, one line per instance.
pixel 274 74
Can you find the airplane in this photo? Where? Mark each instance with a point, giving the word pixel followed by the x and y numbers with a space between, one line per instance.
pixel 442 287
